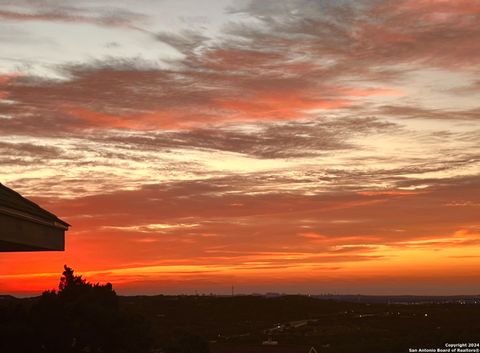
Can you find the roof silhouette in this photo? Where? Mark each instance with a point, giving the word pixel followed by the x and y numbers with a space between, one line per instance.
pixel 25 226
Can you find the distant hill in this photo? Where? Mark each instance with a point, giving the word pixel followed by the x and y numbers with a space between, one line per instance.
pixel 400 299
pixel 7 297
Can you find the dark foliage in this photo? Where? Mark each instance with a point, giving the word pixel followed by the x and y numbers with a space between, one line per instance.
pixel 185 342
pixel 80 317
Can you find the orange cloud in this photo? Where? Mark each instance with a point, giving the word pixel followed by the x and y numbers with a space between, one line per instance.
pixel 4 81
pixel 388 193
pixel 443 6
pixel 276 106
pixel 367 92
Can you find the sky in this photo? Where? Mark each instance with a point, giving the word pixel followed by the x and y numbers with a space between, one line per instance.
pixel 294 146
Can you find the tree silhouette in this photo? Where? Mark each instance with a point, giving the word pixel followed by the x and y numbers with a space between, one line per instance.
pixel 69 281
pixel 79 317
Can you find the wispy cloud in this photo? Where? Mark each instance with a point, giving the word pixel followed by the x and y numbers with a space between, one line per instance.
pixel 74 13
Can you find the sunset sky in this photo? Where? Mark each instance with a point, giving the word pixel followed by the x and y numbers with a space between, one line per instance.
pixel 298 146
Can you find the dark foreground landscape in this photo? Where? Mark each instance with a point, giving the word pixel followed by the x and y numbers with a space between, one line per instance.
pixel 81 317
pixel 238 324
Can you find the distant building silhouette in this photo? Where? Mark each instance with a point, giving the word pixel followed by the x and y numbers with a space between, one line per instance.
pixel 25 226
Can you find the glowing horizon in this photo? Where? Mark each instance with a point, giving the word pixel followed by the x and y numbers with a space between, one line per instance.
pixel 278 146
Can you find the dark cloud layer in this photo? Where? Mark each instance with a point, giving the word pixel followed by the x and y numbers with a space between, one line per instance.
pixel 370 33
pixel 285 140
pixel 27 154
pixel 414 112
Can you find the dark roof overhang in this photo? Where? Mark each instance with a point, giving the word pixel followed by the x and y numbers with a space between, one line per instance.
pixel 25 226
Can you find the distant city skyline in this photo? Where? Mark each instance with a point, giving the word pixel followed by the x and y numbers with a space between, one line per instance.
pixel 297 146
